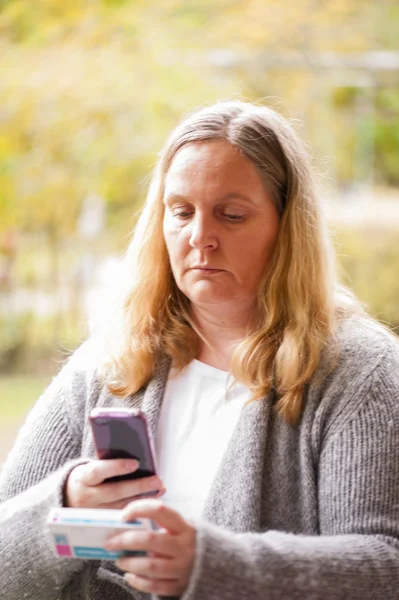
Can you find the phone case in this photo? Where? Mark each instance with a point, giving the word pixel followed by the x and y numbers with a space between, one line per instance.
pixel 123 433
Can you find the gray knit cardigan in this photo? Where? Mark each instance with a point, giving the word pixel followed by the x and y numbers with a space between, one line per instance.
pixel 307 512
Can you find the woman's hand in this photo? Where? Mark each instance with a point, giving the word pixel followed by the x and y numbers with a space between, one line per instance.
pixel 85 487
pixel 171 550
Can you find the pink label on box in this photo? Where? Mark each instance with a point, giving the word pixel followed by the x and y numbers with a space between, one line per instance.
pixel 63 550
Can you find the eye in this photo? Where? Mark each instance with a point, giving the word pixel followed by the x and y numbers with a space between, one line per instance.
pixel 233 218
pixel 182 214
pixel 181 211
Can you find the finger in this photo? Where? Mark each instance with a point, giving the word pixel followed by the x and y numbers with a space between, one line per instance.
pixel 158 542
pixel 121 504
pixel 120 490
pixel 159 587
pixel 154 568
pixel 153 494
pixel 157 511
pixel 117 505
pixel 94 472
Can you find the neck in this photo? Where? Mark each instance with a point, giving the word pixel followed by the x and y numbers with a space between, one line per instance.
pixel 222 330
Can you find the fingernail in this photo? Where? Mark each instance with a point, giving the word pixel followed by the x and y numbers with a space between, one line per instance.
pixel 132 463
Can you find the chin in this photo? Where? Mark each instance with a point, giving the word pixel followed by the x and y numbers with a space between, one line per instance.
pixel 209 292
pixel 202 297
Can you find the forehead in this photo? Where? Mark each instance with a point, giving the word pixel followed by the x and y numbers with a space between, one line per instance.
pixel 210 163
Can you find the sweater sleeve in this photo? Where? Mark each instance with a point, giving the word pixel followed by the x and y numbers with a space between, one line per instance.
pixel 356 554
pixel 31 483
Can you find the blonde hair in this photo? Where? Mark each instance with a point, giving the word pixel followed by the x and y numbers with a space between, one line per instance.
pixel 297 300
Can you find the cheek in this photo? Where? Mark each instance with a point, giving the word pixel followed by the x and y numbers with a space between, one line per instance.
pixel 175 243
pixel 254 251
pixel 169 234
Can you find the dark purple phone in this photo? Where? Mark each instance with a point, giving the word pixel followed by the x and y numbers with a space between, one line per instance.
pixel 123 433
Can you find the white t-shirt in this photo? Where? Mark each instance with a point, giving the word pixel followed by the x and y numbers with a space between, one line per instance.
pixel 199 412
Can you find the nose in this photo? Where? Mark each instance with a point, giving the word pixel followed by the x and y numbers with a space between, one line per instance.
pixel 203 234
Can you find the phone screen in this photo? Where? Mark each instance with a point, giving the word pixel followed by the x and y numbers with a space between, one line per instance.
pixel 119 435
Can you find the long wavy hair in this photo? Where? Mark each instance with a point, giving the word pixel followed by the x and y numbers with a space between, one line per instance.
pixel 299 300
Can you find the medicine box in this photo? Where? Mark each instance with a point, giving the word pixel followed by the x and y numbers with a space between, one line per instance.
pixel 82 532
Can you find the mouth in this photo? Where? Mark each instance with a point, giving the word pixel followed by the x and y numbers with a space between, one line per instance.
pixel 206 269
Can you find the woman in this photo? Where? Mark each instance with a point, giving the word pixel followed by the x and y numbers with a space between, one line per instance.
pixel 272 399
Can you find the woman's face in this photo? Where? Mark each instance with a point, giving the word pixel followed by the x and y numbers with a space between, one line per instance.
pixel 220 224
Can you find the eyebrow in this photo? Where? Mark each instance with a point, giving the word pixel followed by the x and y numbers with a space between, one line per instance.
pixel 230 196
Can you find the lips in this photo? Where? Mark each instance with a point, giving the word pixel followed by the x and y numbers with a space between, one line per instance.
pixel 205 269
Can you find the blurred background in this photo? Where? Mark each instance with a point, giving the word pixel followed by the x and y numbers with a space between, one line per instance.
pixel 89 90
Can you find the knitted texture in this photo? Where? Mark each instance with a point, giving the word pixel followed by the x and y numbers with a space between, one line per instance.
pixel 310 511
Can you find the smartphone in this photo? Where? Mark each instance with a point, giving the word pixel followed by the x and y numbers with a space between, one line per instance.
pixel 123 433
